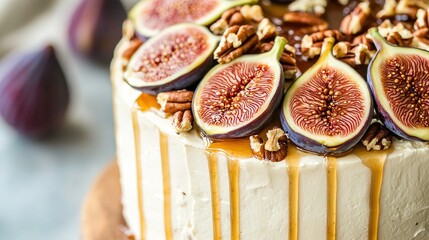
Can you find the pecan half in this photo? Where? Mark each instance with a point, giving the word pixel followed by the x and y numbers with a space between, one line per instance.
pixel 378 137
pixel 237 16
pixel 352 54
pixel 274 149
pixel 312 23
pixel 266 30
pixel 355 21
pixel 311 45
pixel 174 101
pixel 182 121
pixel 395 34
pixel 236 41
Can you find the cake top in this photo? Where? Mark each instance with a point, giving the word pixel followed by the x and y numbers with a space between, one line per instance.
pixel 308 72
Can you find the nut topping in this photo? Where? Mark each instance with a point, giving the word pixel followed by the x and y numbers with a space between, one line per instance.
pixel 311 45
pixel 178 103
pixel 237 16
pixel 354 22
pixel 274 149
pixel 266 30
pixel 378 137
pixel 352 54
pixel 395 34
pixel 182 121
pixel 315 24
pixel 311 6
pixel 422 20
pixel 174 101
pixel 236 41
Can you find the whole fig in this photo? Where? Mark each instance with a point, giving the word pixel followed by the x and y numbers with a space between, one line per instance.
pixel 96 28
pixel 34 94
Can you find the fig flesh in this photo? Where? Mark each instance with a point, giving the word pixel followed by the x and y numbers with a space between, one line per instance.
pixel 327 109
pixel 238 98
pixel 399 79
pixel 175 59
pixel 34 94
pixel 152 16
pixel 96 28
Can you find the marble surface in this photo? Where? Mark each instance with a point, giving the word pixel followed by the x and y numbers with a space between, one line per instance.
pixel 43 183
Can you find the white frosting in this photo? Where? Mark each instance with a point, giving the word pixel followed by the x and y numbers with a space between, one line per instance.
pixel 263 186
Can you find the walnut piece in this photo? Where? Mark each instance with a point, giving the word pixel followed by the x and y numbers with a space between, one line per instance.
pixel 236 41
pixel 266 30
pixel 274 149
pixel 378 137
pixel 395 34
pixel 354 22
pixel 287 59
pixel 422 20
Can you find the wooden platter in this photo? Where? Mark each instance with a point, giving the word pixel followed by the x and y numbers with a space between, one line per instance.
pixel 102 212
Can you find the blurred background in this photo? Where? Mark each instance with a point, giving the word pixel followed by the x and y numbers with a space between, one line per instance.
pixel 44 180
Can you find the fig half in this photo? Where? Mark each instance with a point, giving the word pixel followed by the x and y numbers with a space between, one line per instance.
pixel 174 59
pixel 152 16
pixel 238 98
pixel 327 109
pixel 399 80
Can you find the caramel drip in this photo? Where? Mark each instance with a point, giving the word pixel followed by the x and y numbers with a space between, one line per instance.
pixel 166 182
pixel 293 159
pixel 332 197
pixel 214 185
pixel 145 102
pixel 374 160
pixel 138 168
pixel 237 148
pixel 234 173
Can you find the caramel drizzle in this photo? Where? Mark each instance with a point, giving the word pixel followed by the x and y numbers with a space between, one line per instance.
pixel 214 185
pixel 293 160
pixel 332 197
pixel 139 177
pixel 374 160
pixel 166 182
pixel 234 172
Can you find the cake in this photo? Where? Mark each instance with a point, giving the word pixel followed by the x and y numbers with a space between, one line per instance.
pixel 185 186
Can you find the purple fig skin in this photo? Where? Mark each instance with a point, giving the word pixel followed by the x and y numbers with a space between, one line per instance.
pixel 34 95
pixel 182 82
pixel 317 148
pixel 257 124
pixel 384 116
pixel 96 28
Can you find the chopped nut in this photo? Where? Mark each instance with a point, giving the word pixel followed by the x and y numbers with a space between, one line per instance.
pixel 354 22
pixel 422 19
pixel 311 6
pixel 314 23
pixel 266 30
pixel 274 149
pixel 389 9
pixel 253 12
pixel 311 45
pixel 241 15
pixel 362 39
pixel 352 54
pixel 421 39
pixel 174 101
pixel 395 34
pixel 236 41
pixel 410 7
pixel 182 121
pixel 378 137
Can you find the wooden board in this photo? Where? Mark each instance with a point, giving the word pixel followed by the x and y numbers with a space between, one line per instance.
pixel 102 212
